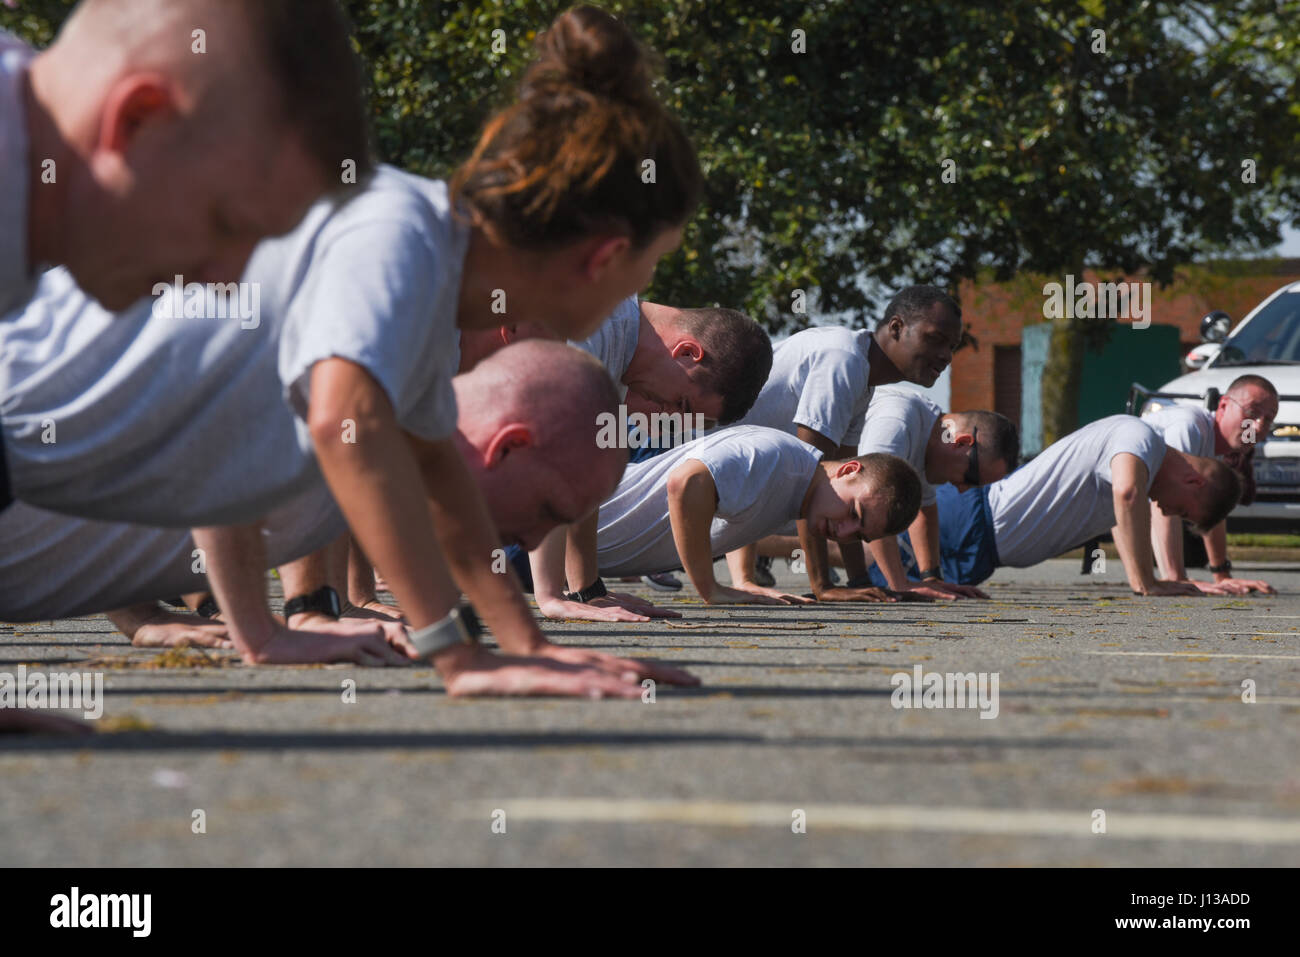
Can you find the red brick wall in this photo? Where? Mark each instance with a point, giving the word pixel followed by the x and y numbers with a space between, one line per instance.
pixel 996 312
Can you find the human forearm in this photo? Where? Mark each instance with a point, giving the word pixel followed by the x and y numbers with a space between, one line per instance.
pixel 692 501
pixel 235 560
pixel 581 567
pixel 468 537
pixel 890 562
pixel 924 535
pixel 1216 549
pixel 377 483
pixel 1167 543
pixel 1132 533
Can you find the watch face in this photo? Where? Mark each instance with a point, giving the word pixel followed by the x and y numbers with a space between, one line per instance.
pixel 333 598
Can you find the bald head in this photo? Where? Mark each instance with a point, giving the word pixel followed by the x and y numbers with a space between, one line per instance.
pixel 1245 414
pixel 185 131
pixel 527 426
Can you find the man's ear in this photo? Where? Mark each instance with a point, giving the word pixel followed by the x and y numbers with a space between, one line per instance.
pixel 508 334
pixel 504 441
pixel 963 439
pixel 850 467
pixel 601 254
pixel 132 103
pixel 688 347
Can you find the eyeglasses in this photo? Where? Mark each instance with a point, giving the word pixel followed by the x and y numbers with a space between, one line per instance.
pixel 972 476
pixel 1248 412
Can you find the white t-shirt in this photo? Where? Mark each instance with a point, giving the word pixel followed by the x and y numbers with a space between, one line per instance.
pixel 184 421
pixel 614 343
pixel 54 566
pixel 761 475
pixel 1187 428
pixel 818 380
pixel 1064 496
pixel 899 421
pixel 16 280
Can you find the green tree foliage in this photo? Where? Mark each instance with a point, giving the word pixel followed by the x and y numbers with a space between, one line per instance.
pixel 854 146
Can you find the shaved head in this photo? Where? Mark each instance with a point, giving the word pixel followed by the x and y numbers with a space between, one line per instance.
pixel 183 132
pixel 527 425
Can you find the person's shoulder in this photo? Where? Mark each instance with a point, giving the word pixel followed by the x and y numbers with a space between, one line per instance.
pixel 827 337
pixel 1128 430
pixel 901 397
pixel 391 198
pixel 749 438
pixel 13 47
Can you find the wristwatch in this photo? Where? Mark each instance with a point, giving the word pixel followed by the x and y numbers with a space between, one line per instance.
pixel 932 574
pixel 595 590
pixel 324 601
pixel 1224 569
pixel 208 608
pixel 460 627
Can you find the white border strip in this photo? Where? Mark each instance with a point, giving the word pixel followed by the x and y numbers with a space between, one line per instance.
pixel 1120 825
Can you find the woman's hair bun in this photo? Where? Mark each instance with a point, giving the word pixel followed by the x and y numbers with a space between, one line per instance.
pixel 588 48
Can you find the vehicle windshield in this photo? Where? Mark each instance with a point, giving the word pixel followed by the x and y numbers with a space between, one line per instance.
pixel 1272 337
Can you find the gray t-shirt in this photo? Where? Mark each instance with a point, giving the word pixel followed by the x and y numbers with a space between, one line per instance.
pixel 761 475
pixel 818 380
pixel 614 343
pixel 899 421
pixel 16 280
pixel 1187 428
pixel 55 566
pixel 1064 496
pixel 190 421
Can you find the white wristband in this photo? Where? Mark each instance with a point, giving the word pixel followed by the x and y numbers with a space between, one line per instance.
pixel 441 635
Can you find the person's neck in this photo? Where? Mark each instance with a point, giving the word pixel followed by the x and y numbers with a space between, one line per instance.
pixel 934 448
pixel 1171 467
pixel 45 227
pixel 488 271
pixel 1221 446
pixel 648 343
pixel 821 476
pixel 883 371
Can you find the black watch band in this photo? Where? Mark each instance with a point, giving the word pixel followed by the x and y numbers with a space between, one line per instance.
pixel 1224 569
pixel 208 608
pixel 595 590
pixel 932 574
pixel 323 601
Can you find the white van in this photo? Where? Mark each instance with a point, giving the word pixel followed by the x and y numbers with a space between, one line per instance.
pixel 1266 343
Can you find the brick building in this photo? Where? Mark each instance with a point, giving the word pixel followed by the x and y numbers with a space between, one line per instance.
pixel 988 377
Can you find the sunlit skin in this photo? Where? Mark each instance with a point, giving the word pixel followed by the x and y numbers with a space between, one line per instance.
pixel 1177 487
pixel 947 458
pixel 569 291
pixel 1243 418
pixel 531 490
pixel 1248 404
pixel 920 352
pixel 155 167
pixel 840 505
pixel 664 373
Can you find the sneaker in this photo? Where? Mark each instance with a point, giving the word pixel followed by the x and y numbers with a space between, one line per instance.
pixel 664 581
pixel 763 572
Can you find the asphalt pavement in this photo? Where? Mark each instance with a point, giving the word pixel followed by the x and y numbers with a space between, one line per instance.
pixel 1123 731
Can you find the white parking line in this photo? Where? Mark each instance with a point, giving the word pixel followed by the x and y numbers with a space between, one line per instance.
pixel 1120 825
pixel 1190 654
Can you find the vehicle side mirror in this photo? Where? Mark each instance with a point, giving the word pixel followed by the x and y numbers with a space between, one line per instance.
pixel 1216 326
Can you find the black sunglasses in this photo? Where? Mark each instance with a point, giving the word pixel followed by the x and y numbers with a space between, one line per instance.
pixel 972 476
